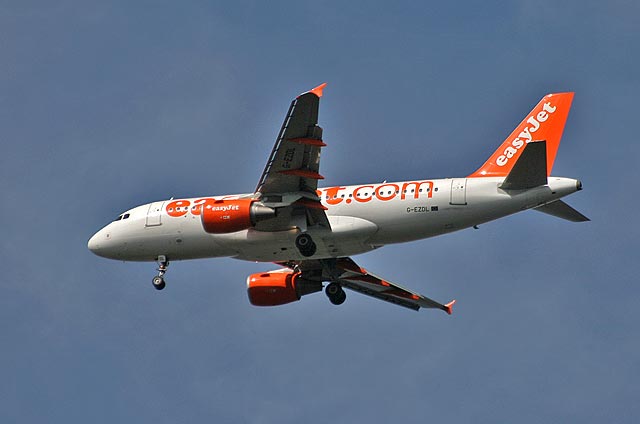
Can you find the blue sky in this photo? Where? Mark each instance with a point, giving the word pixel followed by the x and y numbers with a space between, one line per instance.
pixel 107 105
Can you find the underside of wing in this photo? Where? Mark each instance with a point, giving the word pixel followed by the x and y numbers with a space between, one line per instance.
pixel 290 178
pixel 346 273
pixel 360 280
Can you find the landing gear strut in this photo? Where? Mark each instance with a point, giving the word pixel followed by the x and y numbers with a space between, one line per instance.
pixel 335 293
pixel 158 280
pixel 305 245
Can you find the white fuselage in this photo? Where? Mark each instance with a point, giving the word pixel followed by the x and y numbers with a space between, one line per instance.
pixel 362 218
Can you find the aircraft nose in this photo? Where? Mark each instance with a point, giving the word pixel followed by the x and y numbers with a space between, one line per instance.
pixel 104 244
pixel 101 243
pixel 93 244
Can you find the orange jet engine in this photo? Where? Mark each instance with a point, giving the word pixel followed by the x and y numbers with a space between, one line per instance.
pixel 229 216
pixel 278 288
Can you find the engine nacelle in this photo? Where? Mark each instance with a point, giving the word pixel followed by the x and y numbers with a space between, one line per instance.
pixel 278 288
pixel 229 216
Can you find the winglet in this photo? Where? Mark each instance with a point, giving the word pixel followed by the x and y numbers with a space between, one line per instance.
pixel 449 307
pixel 318 90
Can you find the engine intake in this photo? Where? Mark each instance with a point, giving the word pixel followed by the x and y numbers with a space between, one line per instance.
pixel 229 216
pixel 278 288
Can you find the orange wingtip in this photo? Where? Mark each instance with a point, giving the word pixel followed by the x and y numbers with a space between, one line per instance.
pixel 318 90
pixel 449 307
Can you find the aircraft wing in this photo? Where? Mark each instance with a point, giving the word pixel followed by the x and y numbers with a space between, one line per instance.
pixel 290 178
pixel 351 276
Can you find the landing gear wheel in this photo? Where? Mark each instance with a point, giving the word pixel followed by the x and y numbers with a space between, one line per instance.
pixel 339 300
pixel 333 289
pixel 336 295
pixel 158 282
pixel 305 245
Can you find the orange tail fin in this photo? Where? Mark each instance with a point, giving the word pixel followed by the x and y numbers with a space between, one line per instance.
pixel 545 122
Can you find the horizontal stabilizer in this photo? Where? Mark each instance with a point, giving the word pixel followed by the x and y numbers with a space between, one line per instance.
pixel 560 209
pixel 530 170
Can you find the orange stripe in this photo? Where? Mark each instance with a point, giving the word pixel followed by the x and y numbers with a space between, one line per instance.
pixel 310 141
pixel 305 173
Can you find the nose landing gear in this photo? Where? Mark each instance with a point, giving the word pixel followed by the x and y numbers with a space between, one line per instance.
pixel 158 280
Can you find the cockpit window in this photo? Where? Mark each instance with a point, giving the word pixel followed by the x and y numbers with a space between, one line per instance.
pixel 121 217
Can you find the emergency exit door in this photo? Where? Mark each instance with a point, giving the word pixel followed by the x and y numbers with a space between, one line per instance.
pixel 458 191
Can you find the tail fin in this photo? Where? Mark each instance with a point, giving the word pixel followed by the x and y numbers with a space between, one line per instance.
pixel 545 122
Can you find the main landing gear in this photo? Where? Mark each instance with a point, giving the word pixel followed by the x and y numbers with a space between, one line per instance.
pixel 158 280
pixel 305 245
pixel 335 293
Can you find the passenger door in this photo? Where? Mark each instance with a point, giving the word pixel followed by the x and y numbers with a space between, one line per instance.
pixel 154 214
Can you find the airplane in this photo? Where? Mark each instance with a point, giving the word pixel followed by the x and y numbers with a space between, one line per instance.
pixel 311 232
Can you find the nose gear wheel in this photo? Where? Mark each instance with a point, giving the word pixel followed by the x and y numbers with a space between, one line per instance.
pixel 158 281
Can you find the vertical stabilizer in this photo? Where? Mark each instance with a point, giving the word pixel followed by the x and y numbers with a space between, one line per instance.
pixel 545 122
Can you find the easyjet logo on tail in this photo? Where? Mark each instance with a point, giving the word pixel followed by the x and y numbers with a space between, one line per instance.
pixel 545 122
pixel 526 135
